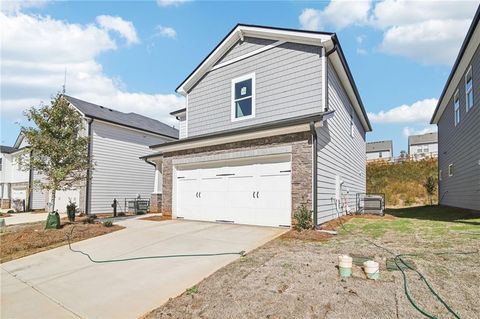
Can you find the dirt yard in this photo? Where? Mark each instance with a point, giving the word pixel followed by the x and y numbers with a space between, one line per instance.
pixel 295 276
pixel 26 239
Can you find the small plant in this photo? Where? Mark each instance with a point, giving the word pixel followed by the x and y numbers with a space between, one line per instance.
pixel 303 217
pixel 10 211
pixel 90 219
pixel 108 223
pixel 192 290
pixel 71 210
pixel 430 185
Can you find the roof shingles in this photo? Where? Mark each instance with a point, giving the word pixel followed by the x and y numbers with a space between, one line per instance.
pixel 131 119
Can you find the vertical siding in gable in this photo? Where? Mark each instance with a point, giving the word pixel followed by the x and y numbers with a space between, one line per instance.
pixel 339 153
pixel 119 172
pixel 248 45
pixel 460 145
pixel 288 84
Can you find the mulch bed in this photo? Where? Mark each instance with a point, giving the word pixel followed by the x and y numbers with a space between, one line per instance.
pixel 306 234
pixel 155 218
pixel 334 224
pixel 27 239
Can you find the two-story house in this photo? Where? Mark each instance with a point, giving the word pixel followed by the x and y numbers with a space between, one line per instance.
pixel 273 120
pixel 457 116
pixel 380 151
pixel 116 140
pixel 14 182
pixel 423 145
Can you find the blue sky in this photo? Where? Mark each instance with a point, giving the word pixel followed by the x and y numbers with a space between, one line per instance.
pixel 132 55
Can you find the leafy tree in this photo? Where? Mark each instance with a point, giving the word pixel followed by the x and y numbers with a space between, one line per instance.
pixel 58 146
pixel 430 185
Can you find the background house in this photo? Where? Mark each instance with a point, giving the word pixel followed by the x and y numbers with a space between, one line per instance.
pixel 117 140
pixel 380 151
pixel 457 116
pixel 14 183
pixel 423 145
pixel 271 123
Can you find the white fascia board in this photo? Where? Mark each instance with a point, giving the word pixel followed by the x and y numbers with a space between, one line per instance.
pixel 342 74
pixel 255 32
pixel 233 138
pixel 459 73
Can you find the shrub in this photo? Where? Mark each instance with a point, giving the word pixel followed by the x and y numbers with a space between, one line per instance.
pixel 430 185
pixel 108 223
pixel 303 217
pixel 10 211
pixel 192 290
pixel 90 219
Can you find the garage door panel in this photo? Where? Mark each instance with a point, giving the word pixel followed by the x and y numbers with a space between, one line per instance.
pixel 258 192
pixel 212 198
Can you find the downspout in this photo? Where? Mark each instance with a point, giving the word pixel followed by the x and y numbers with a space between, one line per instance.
pixel 89 155
pixel 151 163
pixel 30 184
pixel 315 174
pixel 327 54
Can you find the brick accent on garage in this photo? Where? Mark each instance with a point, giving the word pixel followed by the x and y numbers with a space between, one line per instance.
pixel 155 203
pixel 301 175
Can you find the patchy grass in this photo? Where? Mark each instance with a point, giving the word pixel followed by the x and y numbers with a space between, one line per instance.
pixel 296 277
pixel 26 239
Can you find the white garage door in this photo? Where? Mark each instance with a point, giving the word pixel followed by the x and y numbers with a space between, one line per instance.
pixel 19 193
pixel 63 198
pixel 256 192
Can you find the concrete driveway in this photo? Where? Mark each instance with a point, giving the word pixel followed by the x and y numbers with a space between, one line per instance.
pixel 61 284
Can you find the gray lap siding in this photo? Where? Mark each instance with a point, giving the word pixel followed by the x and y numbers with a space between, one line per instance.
pixel 301 154
pixel 460 145
pixel 288 83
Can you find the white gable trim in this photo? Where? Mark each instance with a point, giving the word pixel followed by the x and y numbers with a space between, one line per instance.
pixel 242 57
pixel 249 31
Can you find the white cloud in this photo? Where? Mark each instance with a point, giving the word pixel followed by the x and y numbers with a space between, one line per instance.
pixel 11 7
pixel 35 52
pixel 429 42
pixel 420 111
pixel 167 32
pixel 361 51
pixel 407 131
pixel 124 28
pixel 310 19
pixel 429 32
pixel 338 13
pixel 168 3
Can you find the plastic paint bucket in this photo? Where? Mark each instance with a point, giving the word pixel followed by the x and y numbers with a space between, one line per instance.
pixel 345 265
pixel 371 269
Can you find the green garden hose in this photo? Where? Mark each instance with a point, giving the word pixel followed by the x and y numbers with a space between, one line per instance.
pixel 398 258
pixel 241 253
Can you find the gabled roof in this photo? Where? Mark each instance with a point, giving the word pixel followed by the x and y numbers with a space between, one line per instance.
pixel 131 120
pixel 379 146
pixel 429 138
pixel 7 149
pixel 328 40
pixel 468 48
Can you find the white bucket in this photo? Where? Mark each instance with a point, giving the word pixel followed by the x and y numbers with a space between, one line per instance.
pixel 371 269
pixel 345 265
pixel 345 261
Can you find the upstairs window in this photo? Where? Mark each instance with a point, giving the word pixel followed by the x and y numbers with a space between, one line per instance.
pixel 469 89
pixel 243 97
pixel 456 108
pixel 380 154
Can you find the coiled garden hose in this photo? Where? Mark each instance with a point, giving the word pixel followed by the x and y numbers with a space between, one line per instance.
pixel 241 253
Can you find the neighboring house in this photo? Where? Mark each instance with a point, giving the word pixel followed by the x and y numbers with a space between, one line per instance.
pixel 14 182
pixel 457 116
pixel 423 145
pixel 273 120
pixel 380 151
pixel 117 139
